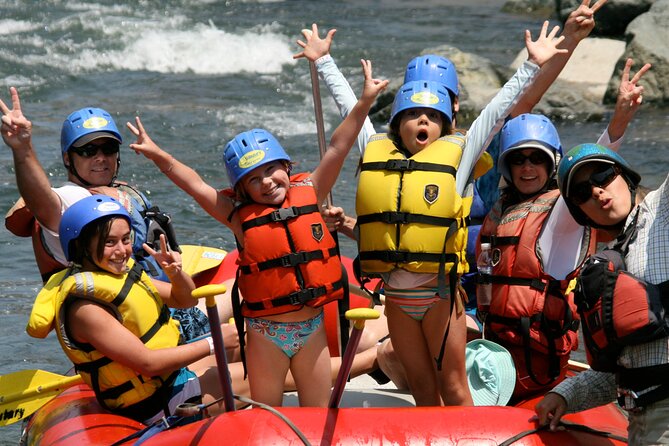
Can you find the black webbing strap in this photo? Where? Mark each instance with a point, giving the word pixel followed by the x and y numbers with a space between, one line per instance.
pixel 403 165
pixel 289 260
pixel 534 283
pixel 405 257
pixel 441 287
pixel 391 217
pixel 567 426
pixel 133 276
pixel 641 378
pixel 373 294
pixel 499 241
pixel 300 297
pixel 281 214
pixel 239 319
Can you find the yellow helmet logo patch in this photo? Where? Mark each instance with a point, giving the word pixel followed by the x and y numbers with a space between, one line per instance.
pixel 95 122
pixel 251 158
pixel 424 98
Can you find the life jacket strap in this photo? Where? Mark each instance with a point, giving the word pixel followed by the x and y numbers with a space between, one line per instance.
pixel 499 241
pixel 404 165
pixel 281 214
pixel 300 297
pixel 289 260
pixel 394 218
pixel 406 257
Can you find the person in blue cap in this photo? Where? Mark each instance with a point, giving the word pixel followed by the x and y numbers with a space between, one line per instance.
pixel 90 149
pixel 288 267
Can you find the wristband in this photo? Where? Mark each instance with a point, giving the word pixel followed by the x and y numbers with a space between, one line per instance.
pixel 210 340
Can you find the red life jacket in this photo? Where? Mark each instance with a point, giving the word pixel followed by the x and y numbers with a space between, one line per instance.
pixel 289 259
pixel 529 311
pixel 617 308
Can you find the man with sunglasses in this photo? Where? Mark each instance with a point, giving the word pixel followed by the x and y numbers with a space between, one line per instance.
pixel 90 143
pixel 600 189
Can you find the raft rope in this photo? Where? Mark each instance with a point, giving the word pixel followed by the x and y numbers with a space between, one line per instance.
pixel 568 426
pixel 188 409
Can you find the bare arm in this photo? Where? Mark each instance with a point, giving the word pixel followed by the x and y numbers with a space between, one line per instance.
pixel 90 323
pixel 325 175
pixel 212 201
pixel 31 180
pixel 630 97
pixel 177 293
pixel 578 26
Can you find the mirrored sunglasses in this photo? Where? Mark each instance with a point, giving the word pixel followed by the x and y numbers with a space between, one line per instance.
pixel 581 192
pixel 90 149
pixel 536 157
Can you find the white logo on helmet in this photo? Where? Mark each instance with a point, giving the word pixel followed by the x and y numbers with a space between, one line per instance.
pixel 109 207
pixel 251 158
pixel 95 122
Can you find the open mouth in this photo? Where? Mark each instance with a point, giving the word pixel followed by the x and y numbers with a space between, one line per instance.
pixel 422 136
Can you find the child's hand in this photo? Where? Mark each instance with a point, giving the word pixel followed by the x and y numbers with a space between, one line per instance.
pixel 315 47
pixel 144 143
pixel 581 21
pixel 169 260
pixel 16 129
pixel 630 95
pixel 334 217
pixel 372 86
pixel 545 47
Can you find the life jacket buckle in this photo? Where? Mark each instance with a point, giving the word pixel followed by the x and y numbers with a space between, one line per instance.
pixel 294 259
pixel 399 164
pixel 283 214
pixel 302 297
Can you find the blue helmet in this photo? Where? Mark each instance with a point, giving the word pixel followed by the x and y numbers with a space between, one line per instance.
pixel 85 125
pixel 84 212
pixel 528 131
pixel 433 68
pixel 426 94
pixel 249 150
pixel 583 154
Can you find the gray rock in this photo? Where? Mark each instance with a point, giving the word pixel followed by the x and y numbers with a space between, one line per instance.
pixel 533 8
pixel 612 19
pixel 648 39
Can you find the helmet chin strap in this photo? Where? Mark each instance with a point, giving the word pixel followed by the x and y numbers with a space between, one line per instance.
pixel 85 183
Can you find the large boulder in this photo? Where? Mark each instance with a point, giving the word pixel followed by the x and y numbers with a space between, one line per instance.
pixel 647 38
pixel 612 19
pixel 534 8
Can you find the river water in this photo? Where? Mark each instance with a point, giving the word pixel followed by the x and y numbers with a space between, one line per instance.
pixel 200 71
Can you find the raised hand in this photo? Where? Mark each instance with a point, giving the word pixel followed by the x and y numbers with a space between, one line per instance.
pixel 372 86
pixel 315 47
pixel 545 46
pixel 16 129
pixel 334 217
pixel 630 94
pixel 169 260
pixel 581 21
pixel 144 144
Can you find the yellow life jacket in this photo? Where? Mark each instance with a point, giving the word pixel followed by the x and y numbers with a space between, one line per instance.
pixel 409 214
pixel 135 302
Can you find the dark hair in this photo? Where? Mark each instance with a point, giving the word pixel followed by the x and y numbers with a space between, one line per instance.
pixel 100 227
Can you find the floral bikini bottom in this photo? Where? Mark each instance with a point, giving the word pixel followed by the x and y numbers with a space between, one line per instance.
pixel 290 337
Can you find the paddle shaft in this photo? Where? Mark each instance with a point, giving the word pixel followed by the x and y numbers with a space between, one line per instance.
pixel 221 359
pixel 346 363
pixel 318 111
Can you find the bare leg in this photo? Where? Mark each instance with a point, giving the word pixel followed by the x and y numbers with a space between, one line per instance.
pixel 311 370
pixel 390 365
pixel 267 367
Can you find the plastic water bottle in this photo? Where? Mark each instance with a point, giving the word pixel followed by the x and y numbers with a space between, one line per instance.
pixel 484 284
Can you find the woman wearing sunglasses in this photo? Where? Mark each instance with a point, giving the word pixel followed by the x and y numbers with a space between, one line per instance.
pixel 601 190
pixel 530 312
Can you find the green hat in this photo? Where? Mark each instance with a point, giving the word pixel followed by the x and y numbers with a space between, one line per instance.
pixel 490 373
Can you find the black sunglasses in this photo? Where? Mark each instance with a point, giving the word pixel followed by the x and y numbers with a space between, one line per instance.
pixel 581 192
pixel 90 149
pixel 536 157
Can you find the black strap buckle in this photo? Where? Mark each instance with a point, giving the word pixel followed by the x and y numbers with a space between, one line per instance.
pixel 283 214
pixel 294 259
pixel 399 164
pixel 302 297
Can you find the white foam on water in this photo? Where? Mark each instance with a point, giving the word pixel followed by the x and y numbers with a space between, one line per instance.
pixel 9 26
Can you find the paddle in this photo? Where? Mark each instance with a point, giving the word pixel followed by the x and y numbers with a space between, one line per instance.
pixel 359 315
pixel 22 393
pixel 197 259
pixel 209 292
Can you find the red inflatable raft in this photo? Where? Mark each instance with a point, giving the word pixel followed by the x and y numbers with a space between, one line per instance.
pixel 75 418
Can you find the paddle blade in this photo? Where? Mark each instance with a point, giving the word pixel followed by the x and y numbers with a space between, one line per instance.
pixel 22 393
pixel 197 259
